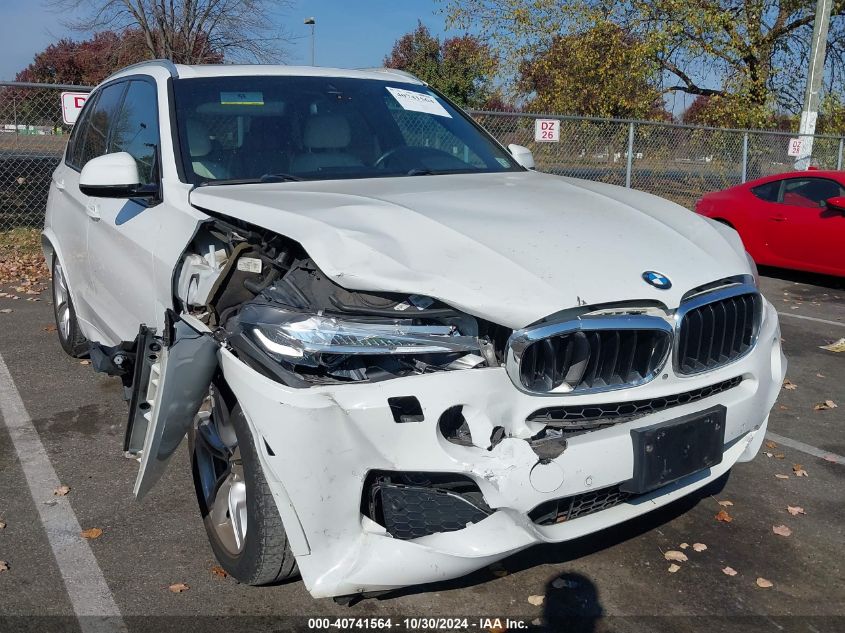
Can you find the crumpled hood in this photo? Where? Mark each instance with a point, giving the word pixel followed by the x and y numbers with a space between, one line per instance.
pixel 511 248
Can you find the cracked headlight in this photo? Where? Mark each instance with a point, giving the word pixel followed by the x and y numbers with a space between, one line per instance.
pixel 307 338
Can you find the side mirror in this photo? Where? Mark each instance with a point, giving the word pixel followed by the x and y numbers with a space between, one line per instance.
pixel 113 176
pixel 836 203
pixel 522 155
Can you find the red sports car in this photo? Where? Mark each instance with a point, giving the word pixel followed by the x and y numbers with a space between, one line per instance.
pixel 792 220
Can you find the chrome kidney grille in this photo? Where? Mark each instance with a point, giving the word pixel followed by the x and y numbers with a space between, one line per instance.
pixel 602 353
pixel 588 354
pixel 716 330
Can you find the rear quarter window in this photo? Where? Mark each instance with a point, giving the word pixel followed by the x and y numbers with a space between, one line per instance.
pixel 768 191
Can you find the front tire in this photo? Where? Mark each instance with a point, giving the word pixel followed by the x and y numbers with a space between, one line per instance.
pixel 239 513
pixel 67 327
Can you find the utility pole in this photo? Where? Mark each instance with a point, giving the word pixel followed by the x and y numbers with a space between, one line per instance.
pixel 815 73
pixel 313 24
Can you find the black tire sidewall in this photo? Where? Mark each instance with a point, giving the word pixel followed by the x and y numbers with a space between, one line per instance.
pixel 246 566
pixel 75 344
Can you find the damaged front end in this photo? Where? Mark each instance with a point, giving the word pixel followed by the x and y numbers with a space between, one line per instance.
pixel 405 441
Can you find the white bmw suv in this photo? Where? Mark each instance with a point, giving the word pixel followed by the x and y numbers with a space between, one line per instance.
pixel 398 353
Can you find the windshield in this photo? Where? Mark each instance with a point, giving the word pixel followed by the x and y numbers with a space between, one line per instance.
pixel 321 128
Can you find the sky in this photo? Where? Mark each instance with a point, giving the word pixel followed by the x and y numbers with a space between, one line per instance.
pixel 349 33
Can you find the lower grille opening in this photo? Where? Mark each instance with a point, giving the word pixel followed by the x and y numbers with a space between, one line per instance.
pixel 568 508
pixel 410 505
pixel 588 417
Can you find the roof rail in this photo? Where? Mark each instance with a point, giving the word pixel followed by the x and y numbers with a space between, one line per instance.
pixel 393 71
pixel 167 64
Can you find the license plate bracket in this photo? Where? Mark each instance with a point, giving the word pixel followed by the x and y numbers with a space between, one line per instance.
pixel 671 450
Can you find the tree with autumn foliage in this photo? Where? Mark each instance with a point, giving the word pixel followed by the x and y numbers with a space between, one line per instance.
pixel 747 56
pixel 599 72
pixel 460 67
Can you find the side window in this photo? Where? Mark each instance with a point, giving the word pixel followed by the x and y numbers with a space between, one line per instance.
pixel 96 134
pixel 135 128
pixel 74 145
pixel 768 192
pixel 809 192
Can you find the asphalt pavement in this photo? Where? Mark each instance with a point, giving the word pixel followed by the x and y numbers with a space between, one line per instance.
pixel 617 580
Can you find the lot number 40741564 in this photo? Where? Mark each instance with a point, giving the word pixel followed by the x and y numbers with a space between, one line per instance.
pixel 547 130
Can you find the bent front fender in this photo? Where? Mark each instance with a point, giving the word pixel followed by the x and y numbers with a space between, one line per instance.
pixel 179 379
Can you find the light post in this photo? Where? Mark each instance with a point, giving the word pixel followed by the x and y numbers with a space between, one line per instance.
pixel 312 23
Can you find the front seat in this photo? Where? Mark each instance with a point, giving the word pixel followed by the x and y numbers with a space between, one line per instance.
pixel 326 137
pixel 199 142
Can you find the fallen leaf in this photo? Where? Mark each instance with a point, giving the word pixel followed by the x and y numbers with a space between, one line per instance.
pixel 536 600
pixel 771 444
pixel 820 376
pixel 789 386
pixel 496 629
pixel 768 454
pixel 726 503
pixel 780 456
pixel 218 571
pixel 699 547
pixel 763 583
pixel 779 476
pixel 723 516
pixel 61 491
pixel 178 587
pixel 799 471
pixel 91 533
pixel 830 458
pixel 781 530
pixel 2 525
pixel 827 404
pixel 795 510
pixel 729 571
pixel 673 568
pixel 783 407
pixel 85 362
pixel 683 545
pixel 675 555
pixel 49 328
pixel 5 311
pixel 836 346
pixel 4 566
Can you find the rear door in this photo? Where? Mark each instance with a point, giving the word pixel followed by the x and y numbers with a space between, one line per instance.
pixel 800 230
pixel 93 142
pixel 123 237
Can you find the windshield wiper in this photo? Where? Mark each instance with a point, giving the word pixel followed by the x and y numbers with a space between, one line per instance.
pixel 252 181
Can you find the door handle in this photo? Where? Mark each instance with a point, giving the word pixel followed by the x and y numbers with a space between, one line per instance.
pixel 93 211
pixel 778 218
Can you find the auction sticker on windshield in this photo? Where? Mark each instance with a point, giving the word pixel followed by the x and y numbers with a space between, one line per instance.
pixel 418 102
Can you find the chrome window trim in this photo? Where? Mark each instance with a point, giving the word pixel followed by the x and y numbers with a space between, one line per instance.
pixel 714 296
pixel 521 339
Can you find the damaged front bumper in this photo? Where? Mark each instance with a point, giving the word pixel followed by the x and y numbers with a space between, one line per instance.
pixel 333 454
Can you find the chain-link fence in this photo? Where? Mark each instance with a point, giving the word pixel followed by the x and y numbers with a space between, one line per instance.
pixel 674 161
pixel 32 139
pixel 678 162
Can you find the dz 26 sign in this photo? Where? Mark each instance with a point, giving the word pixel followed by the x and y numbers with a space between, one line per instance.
pixel 547 130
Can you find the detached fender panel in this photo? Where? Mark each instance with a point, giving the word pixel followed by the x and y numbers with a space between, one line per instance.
pixel 179 381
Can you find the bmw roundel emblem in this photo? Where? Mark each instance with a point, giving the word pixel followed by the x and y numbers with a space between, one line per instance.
pixel 658 280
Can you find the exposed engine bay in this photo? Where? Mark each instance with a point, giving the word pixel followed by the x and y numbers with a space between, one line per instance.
pixel 269 302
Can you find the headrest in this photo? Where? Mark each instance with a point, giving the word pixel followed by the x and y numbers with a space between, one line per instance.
pixel 327 131
pixel 198 139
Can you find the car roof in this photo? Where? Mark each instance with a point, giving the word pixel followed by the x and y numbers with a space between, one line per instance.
pixel 184 71
pixel 810 173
